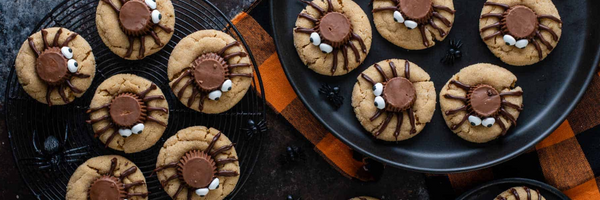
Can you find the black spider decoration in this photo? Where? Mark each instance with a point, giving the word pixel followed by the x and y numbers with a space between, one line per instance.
pixel 290 197
pixel 453 53
pixel 291 155
pixel 333 95
pixel 255 128
pixel 54 153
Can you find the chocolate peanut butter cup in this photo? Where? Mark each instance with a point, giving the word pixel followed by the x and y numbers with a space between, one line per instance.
pixel 417 10
pixel 209 72
pixel 196 169
pixel 127 109
pixel 336 28
pixel 135 18
pixel 107 187
pixel 520 22
pixel 51 66
pixel 399 94
pixel 484 100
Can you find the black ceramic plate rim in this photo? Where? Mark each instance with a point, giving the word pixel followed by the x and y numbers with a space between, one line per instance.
pixel 515 181
pixel 588 65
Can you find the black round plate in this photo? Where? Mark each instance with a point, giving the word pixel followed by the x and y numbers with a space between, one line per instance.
pixel 24 115
pixel 492 189
pixel 552 87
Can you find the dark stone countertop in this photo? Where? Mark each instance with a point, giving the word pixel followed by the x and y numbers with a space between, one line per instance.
pixel 309 178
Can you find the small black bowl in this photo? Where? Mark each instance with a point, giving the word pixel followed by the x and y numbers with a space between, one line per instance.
pixel 492 189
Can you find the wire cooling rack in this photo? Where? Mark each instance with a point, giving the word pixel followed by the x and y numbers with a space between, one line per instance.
pixel 24 114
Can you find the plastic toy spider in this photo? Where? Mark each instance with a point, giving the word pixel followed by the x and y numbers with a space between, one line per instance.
pixel 520 25
pixel 453 53
pixel 333 95
pixel 332 32
pixel 128 112
pixel 209 80
pixel 418 13
pixel 138 18
pixel 255 128
pixel 109 185
pixel 55 65
pixel 54 153
pixel 193 163
pixel 394 96
pixel 291 197
pixel 483 106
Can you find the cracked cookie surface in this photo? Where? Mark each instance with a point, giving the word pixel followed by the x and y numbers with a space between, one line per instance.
pixel 510 54
pixel 193 46
pixel 196 138
pixel 94 168
pixel 400 35
pixel 107 23
pixel 320 62
pixel 123 83
pixel 36 87
pixel 423 107
pixel 483 73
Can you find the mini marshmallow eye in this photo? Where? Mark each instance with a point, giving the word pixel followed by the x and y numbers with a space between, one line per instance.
pixel 151 4
pixel 72 65
pixel 138 128
pixel 315 39
pixel 522 43
pixel 488 122
pixel 410 24
pixel 378 89
pixel 509 40
pixel 214 184
pixel 325 48
pixel 226 85
pixel 474 120
pixel 125 132
pixel 398 17
pixel 156 16
pixel 202 192
pixel 379 103
pixel 67 52
pixel 215 95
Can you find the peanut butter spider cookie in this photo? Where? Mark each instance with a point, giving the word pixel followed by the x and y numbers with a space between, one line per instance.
pixel 55 66
pixel 134 29
pixel 128 113
pixel 396 21
pixel 520 193
pixel 198 163
pixel 107 177
pixel 209 71
pixel 485 95
pixel 332 37
pixel 514 29
pixel 394 99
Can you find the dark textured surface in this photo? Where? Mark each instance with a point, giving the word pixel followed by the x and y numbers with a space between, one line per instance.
pixel 309 178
